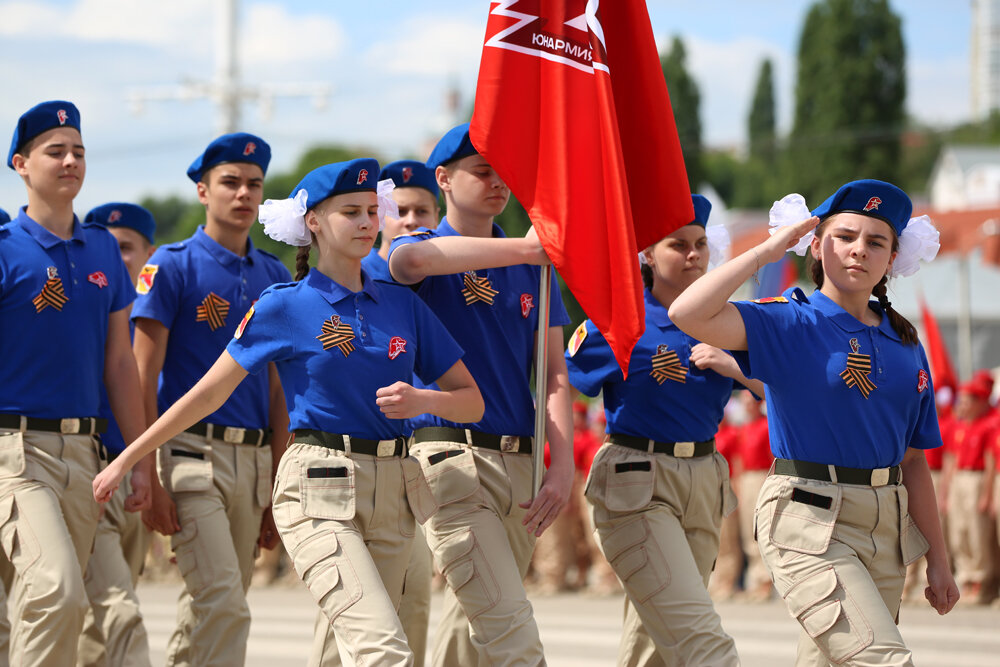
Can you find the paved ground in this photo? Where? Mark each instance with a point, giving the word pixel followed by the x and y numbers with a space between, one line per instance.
pixel 581 631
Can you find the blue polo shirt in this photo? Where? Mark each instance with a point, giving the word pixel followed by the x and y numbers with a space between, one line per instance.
pixel 679 403
pixel 376 267
pixel 498 338
pixel 200 292
pixel 800 349
pixel 335 348
pixel 55 299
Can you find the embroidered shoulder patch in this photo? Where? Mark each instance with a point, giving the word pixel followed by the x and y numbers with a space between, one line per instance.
pixel 146 277
pixel 243 323
pixel 771 299
pixel 576 340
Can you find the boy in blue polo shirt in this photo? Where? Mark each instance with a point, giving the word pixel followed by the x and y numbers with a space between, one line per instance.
pixel 218 473
pixel 487 522
pixel 64 297
pixel 113 631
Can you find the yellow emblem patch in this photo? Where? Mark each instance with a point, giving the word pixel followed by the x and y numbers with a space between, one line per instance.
pixel 771 299
pixel 576 340
pixel 146 277
pixel 243 323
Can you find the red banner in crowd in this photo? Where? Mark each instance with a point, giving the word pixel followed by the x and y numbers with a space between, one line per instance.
pixel 942 372
pixel 573 113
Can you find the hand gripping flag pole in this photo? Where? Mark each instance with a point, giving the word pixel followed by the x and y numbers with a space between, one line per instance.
pixel 541 381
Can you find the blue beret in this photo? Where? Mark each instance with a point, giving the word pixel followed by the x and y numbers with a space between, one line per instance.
pixel 454 145
pixel 876 199
pixel 236 147
pixel 702 209
pixel 4 216
pixel 358 175
pixel 120 214
pixel 411 174
pixel 40 118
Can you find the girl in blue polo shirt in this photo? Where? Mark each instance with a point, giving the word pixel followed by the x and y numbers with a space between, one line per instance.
pixel 658 487
pixel 346 349
pixel 850 411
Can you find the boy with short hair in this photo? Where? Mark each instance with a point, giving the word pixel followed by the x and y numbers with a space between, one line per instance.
pixel 64 297
pixel 218 474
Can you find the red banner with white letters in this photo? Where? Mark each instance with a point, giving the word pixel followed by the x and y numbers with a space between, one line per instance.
pixel 573 113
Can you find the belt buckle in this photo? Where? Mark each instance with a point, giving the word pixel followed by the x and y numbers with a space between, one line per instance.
pixel 880 476
pixel 510 443
pixel 684 450
pixel 385 448
pixel 234 435
pixel 69 426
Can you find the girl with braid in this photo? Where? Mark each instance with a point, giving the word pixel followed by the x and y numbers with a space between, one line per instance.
pixel 849 502
pixel 347 349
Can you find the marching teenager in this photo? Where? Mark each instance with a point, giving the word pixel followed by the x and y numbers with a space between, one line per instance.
pixel 415 194
pixel 659 488
pixel 64 297
pixel 346 348
pixel 484 287
pixel 215 477
pixel 849 502
pixel 114 633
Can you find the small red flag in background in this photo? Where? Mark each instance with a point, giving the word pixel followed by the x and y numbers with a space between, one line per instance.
pixel 942 372
pixel 573 113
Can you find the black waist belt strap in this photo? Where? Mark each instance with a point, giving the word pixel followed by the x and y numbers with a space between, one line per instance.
pixel 358 445
pixel 821 472
pixel 500 443
pixel 234 435
pixel 69 426
pixel 678 449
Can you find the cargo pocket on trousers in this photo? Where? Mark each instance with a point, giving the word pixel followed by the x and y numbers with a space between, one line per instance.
pixel 912 543
pixel 804 518
pixel 19 541
pixel 629 484
pixel 265 473
pixel 418 492
pixel 185 551
pixel 829 615
pixel 328 488
pixel 449 471
pixel 637 559
pixel 331 579
pixel 11 455
pixel 468 573
pixel 189 469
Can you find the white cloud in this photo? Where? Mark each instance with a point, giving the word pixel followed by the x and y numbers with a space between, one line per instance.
pixel 431 46
pixel 271 36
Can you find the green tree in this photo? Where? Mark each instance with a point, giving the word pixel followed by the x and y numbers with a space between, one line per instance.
pixel 761 122
pixel 685 99
pixel 849 97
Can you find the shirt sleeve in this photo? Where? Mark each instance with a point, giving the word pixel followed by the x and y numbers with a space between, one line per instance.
pixel 263 336
pixel 590 361
pixel 773 332
pixel 162 298
pixel 927 434
pixel 437 350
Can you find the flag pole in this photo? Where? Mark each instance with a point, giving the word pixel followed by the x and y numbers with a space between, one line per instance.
pixel 541 380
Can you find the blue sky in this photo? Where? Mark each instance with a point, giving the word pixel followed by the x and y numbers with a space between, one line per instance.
pixel 389 64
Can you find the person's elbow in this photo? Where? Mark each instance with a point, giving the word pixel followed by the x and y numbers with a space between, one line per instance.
pixel 679 314
pixel 409 264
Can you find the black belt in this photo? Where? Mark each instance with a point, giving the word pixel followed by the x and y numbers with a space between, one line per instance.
pixel 821 472
pixel 501 443
pixel 678 449
pixel 70 426
pixel 234 435
pixel 382 448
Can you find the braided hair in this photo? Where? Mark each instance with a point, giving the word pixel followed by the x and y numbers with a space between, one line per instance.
pixel 900 324
pixel 302 262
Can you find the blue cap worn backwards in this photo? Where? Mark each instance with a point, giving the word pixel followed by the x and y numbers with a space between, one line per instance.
pixel 120 214
pixel 876 199
pixel 702 209
pixel 4 217
pixel 358 175
pixel 454 145
pixel 41 118
pixel 411 174
pixel 236 147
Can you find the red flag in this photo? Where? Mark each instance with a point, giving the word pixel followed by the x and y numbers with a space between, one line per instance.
pixel 572 111
pixel 942 371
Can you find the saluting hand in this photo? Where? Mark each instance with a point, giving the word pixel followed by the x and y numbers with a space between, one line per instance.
pixel 784 239
pixel 400 401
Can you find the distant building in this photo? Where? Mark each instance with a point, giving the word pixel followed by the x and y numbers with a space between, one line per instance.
pixel 966 177
pixel 985 57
